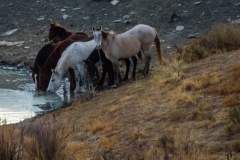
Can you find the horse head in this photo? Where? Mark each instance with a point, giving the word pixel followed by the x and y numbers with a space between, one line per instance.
pixel 34 76
pixel 57 31
pixel 97 34
pixel 55 82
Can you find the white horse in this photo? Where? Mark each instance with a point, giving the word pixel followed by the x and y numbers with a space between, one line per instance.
pixel 128 44
pixel 72 57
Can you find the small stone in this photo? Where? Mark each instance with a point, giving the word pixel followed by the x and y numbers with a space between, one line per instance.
pixel 9 32
pixel 65 16
pixel 40 19
pixel 86 18
pixel 179 28
pixel 117 21
pixel 76 9
pixel 63 10
pixel 198 2
pixel 114 2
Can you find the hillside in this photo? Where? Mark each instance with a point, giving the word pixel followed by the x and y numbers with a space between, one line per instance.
pixel 185 113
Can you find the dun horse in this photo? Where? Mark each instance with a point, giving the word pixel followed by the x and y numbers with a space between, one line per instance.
pixel 72 57
pixel 127 44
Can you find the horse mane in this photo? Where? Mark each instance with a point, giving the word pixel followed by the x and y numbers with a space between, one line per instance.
pixel 57 25
pixel 106 33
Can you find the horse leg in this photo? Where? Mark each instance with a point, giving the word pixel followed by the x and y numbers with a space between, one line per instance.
pixel 109 70
pixel 147 61
pixel 71 78
pixel 134 66
pixel 102 80
pixel 115 71
pixel 77 79
pixel 127 62
pixel 83 77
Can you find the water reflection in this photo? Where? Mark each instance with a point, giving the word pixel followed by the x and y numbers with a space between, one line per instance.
pixel 19 99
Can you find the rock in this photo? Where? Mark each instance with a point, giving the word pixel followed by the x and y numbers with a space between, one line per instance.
pixel 117 21
pixel 179 28
pixel 126 17
pixel 114 2
pixel 65 16
pixel 194 35
pixel 76 9
pixel 86 18
pixel 127 21
pixel 197 3
pixel 63 10
pixel 40 19
pixel 9 32
pixel 132 12
pixel 5 43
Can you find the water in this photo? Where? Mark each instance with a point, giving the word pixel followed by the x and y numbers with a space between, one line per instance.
pixel 19 99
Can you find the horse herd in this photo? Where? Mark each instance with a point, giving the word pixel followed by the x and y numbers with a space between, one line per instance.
pixel 71 53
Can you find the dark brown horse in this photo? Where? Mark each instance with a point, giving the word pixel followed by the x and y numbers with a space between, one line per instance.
pixel 41 58
pixel 99 55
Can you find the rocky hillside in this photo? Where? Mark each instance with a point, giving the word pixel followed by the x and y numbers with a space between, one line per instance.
pixel 176 21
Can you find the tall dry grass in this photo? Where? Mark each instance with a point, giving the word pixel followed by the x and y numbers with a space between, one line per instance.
pixel 221 38
pixel 11 142
pixel 46 138
pixel 230 88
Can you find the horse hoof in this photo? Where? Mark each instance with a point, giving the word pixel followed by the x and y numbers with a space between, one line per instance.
pixel 114 86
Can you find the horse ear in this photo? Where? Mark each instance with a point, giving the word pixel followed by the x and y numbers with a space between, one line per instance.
pixel 93 29
pixel 53 71
pixel 100 28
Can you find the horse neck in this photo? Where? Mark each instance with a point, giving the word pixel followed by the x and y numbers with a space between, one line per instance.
pixel 94 56
pixel 62 65
pixel 65 35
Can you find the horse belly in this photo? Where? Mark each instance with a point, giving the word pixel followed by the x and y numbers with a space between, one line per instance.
pixel 129 48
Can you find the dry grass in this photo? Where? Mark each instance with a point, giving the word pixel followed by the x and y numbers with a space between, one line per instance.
pixel 170 72
pixel 11 141
pixel 222 37
pixel 229 87
pixel 96 127
pixel 200 82
pixel 107 143
pixel 46 139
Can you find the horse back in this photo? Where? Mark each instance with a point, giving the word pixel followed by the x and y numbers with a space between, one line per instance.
pixel 56 54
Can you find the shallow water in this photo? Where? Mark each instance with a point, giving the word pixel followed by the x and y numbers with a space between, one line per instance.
pixel 19 99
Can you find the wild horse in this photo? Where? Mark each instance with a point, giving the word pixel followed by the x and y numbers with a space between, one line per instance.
pixel 73 57
pixel 127 44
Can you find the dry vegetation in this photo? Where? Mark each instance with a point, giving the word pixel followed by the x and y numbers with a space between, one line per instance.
pixel 182 111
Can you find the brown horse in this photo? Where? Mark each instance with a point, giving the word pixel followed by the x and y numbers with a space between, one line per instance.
pixel 41 58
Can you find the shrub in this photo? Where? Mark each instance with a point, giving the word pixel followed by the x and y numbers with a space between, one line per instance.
pixel 46 139
pixel 222 37
pixel 11 142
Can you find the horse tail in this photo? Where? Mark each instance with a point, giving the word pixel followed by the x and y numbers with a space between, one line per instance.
pixel 123 64
pixel 158 47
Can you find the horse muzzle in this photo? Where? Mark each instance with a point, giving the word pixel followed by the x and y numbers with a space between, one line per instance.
pixel 98 46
